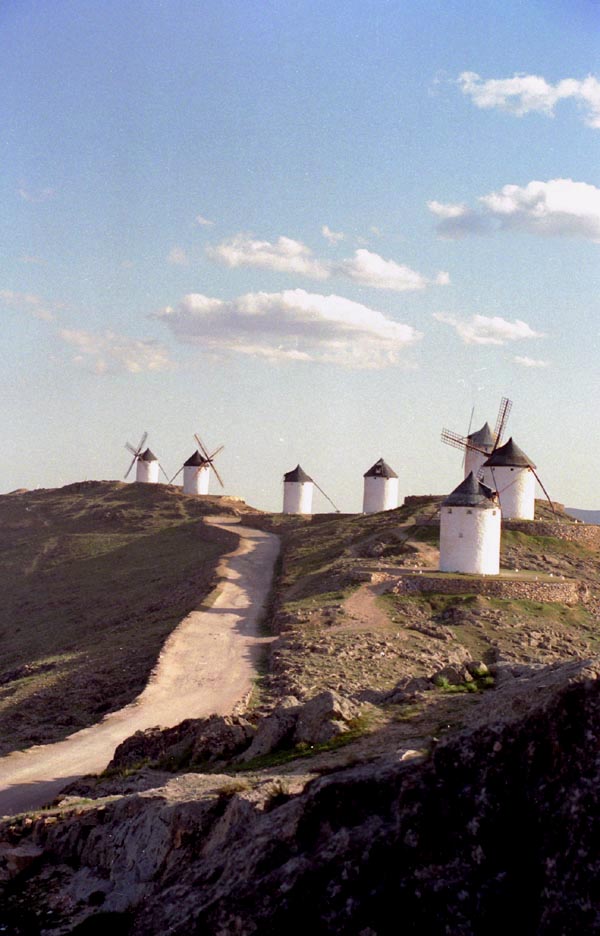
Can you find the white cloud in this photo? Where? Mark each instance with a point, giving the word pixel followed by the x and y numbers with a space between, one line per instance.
pixel 285 255
pixel 109 353
pixel 369 269
pixel 530 362
pixel 30 303
pixel 483 330
pixel 447 210
pixel 291 325
pixel 523 94
pixel 559 207
pixel 291 256
pixel 177 257
pixel 203 222
pixel 332 236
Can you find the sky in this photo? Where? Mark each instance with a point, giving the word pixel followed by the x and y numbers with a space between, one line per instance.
pixel 312 232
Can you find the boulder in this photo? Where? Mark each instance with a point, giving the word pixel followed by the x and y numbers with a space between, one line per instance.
pixel 324 717
pixel 274 730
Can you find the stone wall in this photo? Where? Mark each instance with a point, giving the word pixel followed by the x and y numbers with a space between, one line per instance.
pixel 584 533
pixel 561 591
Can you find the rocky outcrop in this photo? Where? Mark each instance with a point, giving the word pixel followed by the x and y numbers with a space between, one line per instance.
pixel 497 831
pixel 193 742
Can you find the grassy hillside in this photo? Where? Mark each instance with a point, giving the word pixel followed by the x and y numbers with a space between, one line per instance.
pixel 93 577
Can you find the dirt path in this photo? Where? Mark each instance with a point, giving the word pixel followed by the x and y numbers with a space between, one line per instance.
pixel 362 608
pixel 207 665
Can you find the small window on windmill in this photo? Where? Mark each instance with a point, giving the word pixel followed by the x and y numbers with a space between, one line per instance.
pixel 493 513
pixel 460 536
pixel 449 509
pixel 469 510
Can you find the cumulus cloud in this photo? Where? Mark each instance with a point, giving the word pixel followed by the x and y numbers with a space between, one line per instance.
pixel 285 255
pixel 291 325
pixel 30 303
pixel 369 269
pixel 177 257
pixel 524 94
pixel 291 256
pixel 106 352
pixel 530 362
pixel 483 330
pixel 332 236
pixel 559 207
pixel 203 222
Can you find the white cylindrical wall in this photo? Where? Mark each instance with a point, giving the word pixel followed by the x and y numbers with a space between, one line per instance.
pixel 380 494
pixel 473 462
pixel 195 479
pixel 470 540
pixel 297 497
pixel 516 491
pixel 146 471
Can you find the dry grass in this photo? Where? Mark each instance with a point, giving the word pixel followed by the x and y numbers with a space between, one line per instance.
pixel 94 577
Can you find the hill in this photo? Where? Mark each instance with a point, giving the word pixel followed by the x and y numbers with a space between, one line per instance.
pixel 422 756
pixel 586 516
pixel 93 577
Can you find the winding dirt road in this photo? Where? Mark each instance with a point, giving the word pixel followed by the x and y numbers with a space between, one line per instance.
pixel 206 666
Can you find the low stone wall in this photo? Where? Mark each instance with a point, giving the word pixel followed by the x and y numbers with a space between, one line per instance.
pixel 585 533
pixel 563 592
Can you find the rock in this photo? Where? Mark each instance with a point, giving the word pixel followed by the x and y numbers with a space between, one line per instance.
pixel 324 717
pixel 14 859
pixel 194 741
pixel 274 730
pixel 455 675
pixel 477 668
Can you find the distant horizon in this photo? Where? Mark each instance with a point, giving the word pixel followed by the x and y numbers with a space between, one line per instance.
pixel 310 235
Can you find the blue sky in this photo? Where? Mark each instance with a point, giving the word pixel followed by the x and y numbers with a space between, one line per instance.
pixel 310 231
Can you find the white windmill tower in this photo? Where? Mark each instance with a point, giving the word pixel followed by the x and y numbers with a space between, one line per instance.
pixel 298 489
pixel 512 473
pixel 470 529
pixel 380 488
pixel 478 446
pixel 196 470
pixel 146 462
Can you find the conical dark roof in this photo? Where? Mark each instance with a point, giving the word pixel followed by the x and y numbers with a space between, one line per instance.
pixel 483 436
pixel 296 475
pixel 509 454
pixel 148 456
pixel 380 470
pixel 471 493
pixel 194 460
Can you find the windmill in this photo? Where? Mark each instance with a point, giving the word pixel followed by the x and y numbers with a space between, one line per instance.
pixel 298 492
pixel 146 463
pixel 478 446
pixel 196 470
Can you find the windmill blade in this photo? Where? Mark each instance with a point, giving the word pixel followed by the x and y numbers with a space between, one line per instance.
pixel 468 434
pixel 537 478
pixel 337 509
pixel 460 442
pixel 176 475
pixel 131 449
pixel 219 479
pixel 216 452
pixel 164 472
pixel 130 467
pixel 202 447
pixel 502 419
pixel 142 442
